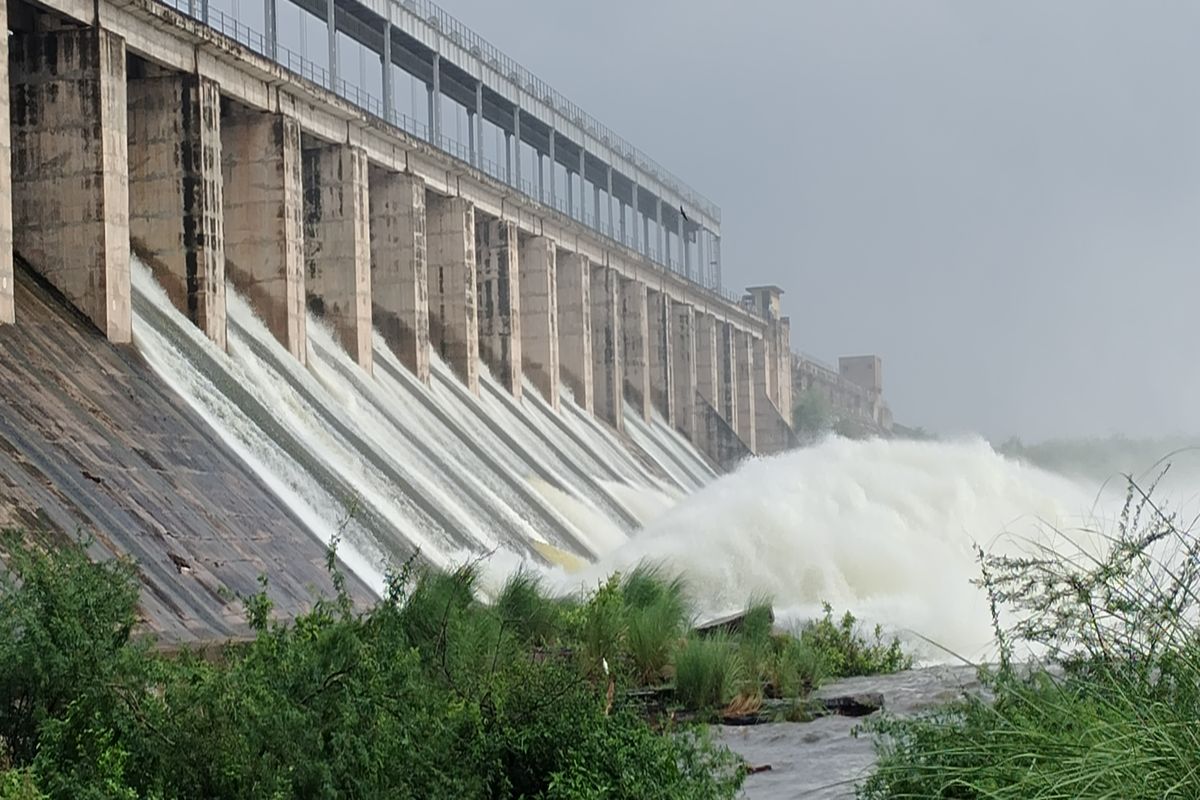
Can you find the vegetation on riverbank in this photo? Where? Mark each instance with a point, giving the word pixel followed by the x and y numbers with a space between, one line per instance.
pixel 429 693
pixel 1110 707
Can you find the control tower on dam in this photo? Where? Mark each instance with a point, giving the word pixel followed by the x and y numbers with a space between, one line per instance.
pixel 202 140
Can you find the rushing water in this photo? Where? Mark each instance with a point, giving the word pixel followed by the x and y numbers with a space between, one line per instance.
pixel 395 466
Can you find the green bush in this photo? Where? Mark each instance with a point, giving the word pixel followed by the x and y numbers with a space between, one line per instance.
pixel 431 693
pixel 845 652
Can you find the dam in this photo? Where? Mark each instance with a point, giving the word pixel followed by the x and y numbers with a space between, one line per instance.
pixel 249 307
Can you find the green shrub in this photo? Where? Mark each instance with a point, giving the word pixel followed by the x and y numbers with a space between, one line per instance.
pixel 1111 710
pixel 430 693
pixel 846 653
pixel 708 672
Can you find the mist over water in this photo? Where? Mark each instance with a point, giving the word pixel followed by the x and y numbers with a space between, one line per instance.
pixel 883 528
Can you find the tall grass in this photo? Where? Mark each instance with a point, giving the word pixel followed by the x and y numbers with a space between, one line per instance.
pixel 1112 707
pixel 709 672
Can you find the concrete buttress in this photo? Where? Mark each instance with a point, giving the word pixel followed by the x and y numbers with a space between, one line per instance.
pixel 539 316
pixel 337 245
pixel 706 358
pixel 498 280
pixel 727 378
pixel 744 358
pixel 575 326
pixel 453 318
pixel 683 341
pixel 606 345
pixel 264 229
pixel 635 347
pixel 176 213
pixel 399 272
pixel 662 381
pixel 70 191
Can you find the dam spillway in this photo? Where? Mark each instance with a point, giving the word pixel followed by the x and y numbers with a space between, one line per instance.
pixel 338 328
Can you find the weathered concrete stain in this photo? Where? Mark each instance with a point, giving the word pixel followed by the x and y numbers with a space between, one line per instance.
pixel 92 442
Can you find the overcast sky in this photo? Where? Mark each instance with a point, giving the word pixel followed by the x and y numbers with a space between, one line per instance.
pixel 1001 199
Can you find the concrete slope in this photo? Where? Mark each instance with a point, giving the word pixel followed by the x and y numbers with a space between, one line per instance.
pixel 92 444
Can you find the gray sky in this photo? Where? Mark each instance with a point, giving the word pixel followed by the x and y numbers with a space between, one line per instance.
pixel 1001 199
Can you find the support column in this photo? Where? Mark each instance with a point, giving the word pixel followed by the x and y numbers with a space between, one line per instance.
pixel 727 378
pixel 271 28
pixel 635 347
pixel 389 91
pixel 596 206
pixel 337 245
pixel 706 358
pixel 612 228
pixel 508 158
pixel 399 275
pixel 606 350
pixel 553 173
pixel 683 249
pixel 660 257
pixel 7 304
pixel 662 379
pixel 517 145
pixel 683 340
pixel 331 26
pixel 783 350
pixel 453 315
pixel 176 218
pixel 478 129
pixel 264 234
pixel 575 326
pixel 435 100
pixel 744 355
pixel 622 228
pixel 570 197
pixel 541 173
pixel 499 298
pixel 70 192
pixel 637 245
pixel 539 316
pixel 582 183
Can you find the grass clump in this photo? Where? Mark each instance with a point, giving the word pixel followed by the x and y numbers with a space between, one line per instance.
pixel 1108 709
pixel 709 672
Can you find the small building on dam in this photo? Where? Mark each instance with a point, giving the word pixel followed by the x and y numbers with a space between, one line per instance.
pixel 248 307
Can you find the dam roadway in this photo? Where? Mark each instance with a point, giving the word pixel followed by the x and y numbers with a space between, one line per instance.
pixel 182 138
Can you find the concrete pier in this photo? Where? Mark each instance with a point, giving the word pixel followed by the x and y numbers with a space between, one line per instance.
pixel 7 304
pixel 727 377
pixel 635 347
pixel 176 212
pixel 399 272
pixel 744 367
pixel 70 191
pixel 498 289
pixel 453 315
pixel 575 326
pixel 606 346
pixel 539 316
pixel 706 359
pixel 662 382
pixel 264 229
pixel 683 356
pixel 337 245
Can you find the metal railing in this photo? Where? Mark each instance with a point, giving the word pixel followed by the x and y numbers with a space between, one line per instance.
pixel 441 20
pixel 305 69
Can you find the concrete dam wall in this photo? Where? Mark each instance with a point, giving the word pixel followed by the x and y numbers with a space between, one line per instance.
pixel 255 317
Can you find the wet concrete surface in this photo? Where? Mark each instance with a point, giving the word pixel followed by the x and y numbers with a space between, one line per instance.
pixel 823 759
pixel 93 445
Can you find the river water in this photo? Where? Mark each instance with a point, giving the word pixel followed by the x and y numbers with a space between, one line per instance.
pixel 823 759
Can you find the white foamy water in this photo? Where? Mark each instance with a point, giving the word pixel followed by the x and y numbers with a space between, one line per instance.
pixel 394 465
pixel 885 529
